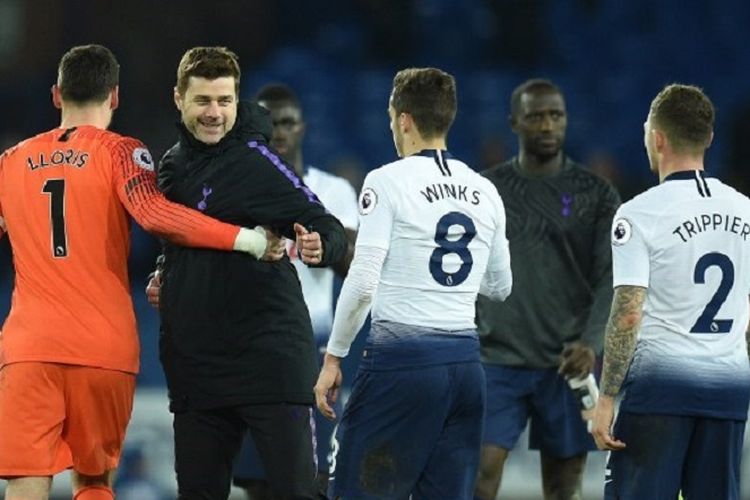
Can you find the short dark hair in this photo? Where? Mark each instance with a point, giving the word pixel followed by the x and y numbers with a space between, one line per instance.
pixel 278 93
pixel 429 96
pixel 210 63
pixel 535 85
pixel 686 116
pixel 87 74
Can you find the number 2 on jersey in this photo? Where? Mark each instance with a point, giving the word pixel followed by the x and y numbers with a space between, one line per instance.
pixel 459 247
pixel 55 188
pixel 707 322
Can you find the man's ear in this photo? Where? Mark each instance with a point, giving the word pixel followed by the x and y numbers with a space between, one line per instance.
pixel 405 122
pixel 177 99
pixel 56 96
pixel 660 140
pixel 115 95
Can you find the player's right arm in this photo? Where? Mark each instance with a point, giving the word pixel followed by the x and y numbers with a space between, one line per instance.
pixel 359 288
pixel 631 271
pixel 135 183
pixel 619 346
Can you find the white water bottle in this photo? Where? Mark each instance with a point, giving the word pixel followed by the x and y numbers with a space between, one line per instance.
pixel 585 390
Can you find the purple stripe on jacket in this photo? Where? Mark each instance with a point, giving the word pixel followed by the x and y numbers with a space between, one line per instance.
pixel 284 169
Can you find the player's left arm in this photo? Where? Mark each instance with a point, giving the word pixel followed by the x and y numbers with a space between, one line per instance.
pixel 620 337
pixel 592 340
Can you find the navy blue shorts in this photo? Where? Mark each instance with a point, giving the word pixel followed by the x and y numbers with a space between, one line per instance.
pixel 515 395
pixel 411 431
pixel 666 454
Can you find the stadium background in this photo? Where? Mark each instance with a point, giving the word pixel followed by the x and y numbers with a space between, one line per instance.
pixel 610 57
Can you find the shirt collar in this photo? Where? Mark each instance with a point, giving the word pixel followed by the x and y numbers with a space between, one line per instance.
pixel 685 175
pixel 433 153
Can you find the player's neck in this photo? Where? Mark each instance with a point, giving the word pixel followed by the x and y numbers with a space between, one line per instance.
pixel 535 165
pixel 679 164
pixel 96 116
pixel 418 144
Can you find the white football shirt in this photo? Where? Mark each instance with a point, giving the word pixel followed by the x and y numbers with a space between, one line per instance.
pixel 440 223
pixel 688 242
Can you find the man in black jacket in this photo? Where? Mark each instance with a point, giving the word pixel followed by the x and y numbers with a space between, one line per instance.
pixel 237 344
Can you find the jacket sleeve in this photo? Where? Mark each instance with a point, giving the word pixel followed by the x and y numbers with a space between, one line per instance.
pixel 135 183
pixel 333 236
pixel 288 200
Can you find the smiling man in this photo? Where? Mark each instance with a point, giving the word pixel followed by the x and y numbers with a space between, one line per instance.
pixel 208 107
pixel 237 343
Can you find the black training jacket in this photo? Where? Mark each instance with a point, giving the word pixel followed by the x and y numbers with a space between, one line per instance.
pixel 236 330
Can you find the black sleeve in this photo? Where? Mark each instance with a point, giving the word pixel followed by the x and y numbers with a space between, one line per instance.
pixel 286 200
pixel 601 276
pixel 165 170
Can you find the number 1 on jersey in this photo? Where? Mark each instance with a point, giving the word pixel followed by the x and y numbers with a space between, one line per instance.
pixel 55 188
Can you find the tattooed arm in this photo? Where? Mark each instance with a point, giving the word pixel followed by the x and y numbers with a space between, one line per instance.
pixel 620 337
pixel 619 346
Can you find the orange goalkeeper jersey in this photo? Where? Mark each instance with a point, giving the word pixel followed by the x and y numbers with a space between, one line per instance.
pixel 64 199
